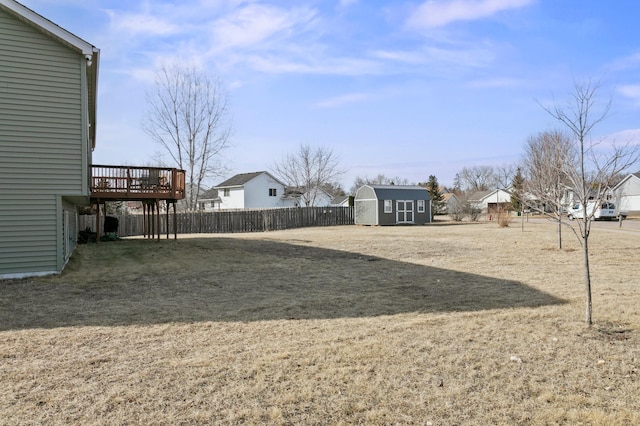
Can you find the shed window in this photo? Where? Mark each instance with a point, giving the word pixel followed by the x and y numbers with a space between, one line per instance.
pixel 388 206
pixel 420 206
pixel 273 192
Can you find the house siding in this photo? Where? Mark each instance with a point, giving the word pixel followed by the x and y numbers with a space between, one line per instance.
pixel 252 194
pixel 44 146
pixel 628 195
pixel 256 193
pixel 28 235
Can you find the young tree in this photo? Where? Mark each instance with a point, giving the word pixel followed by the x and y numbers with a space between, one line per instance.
pixel 188 116
pixel 596 168
pixel 545 160
pixel 308 170
pixel 437 198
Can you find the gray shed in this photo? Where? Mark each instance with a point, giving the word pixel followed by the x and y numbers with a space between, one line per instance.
pixel 392 205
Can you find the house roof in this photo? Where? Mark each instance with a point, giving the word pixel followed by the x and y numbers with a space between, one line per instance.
pixel 477 196
pixel 481 195
pixel 90 52
pixel 626 178
pixel 340 199
pixel 400 192
pixel 209 194
pixel 447 196
pixel 298 191
pixel 242 179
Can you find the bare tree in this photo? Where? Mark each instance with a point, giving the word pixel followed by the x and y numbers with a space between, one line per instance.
pixel 309 170
pixel 478 178
pixel 188 116
pixel 596 167
pixel 380 179
pixel 504 175
pixel 545 160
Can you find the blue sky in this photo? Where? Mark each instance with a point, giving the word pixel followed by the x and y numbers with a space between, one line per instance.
pixel 402 88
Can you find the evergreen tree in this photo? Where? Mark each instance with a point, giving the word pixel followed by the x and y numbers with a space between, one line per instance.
pixel 457 184
pixel 517 191
pixel 437 199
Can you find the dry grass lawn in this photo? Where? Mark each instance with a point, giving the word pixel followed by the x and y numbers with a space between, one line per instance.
pixel 443 325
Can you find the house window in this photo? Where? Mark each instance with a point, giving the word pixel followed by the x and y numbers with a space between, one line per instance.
pixel 388 206
pixel 273 192
pixel 226 192
pixel 420 206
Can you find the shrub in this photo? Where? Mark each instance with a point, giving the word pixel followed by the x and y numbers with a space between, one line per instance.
pixel 504 218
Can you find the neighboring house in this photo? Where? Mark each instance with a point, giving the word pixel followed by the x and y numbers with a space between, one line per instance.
pixel 209 201
pixel 317 197
pixel 392 205
pixel 48 80
pixel 450 203
pixel 491 201
pixel 343 201
pixel 252 191
pixel 627 194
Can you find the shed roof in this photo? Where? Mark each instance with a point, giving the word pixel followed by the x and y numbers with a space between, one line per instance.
pixel 400 192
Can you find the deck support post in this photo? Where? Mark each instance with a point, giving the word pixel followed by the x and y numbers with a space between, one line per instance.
pixel 144 219
pixel 175 221
pixel 152 216
pixel 97 220
pixel 157 203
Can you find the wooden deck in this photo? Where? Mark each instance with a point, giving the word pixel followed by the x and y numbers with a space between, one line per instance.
pixel 128 183
pixel 151 185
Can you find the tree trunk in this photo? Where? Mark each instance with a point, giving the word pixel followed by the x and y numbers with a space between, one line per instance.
pixel 587 281
pixel 559 233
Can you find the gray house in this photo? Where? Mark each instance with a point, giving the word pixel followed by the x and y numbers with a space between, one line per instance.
pixel 392 205
pixel 48 80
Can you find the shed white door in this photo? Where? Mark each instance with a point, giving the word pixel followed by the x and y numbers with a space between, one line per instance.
pixel 404 211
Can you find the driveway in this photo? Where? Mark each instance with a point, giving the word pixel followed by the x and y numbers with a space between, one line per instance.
pixel 628 225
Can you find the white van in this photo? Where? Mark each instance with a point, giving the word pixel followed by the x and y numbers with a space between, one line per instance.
pixel 603 211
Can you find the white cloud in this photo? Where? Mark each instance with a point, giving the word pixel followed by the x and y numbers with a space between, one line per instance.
pixel 623 137
pixel 467 57
pixel 347 3
pixel 498 82
pixel 631 91
pixel 435 13
pixel 630 62
pixel 280 64
pixel 255 24
pixel 141 24
pixel 348 98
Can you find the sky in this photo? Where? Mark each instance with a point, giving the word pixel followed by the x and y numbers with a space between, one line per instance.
pixel 407 89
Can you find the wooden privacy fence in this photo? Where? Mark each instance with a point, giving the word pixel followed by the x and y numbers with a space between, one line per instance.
pixel 233 221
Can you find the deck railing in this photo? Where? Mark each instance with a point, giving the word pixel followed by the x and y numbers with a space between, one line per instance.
pixel 137 183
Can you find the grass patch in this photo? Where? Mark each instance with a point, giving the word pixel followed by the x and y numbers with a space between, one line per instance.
pixel 376 325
